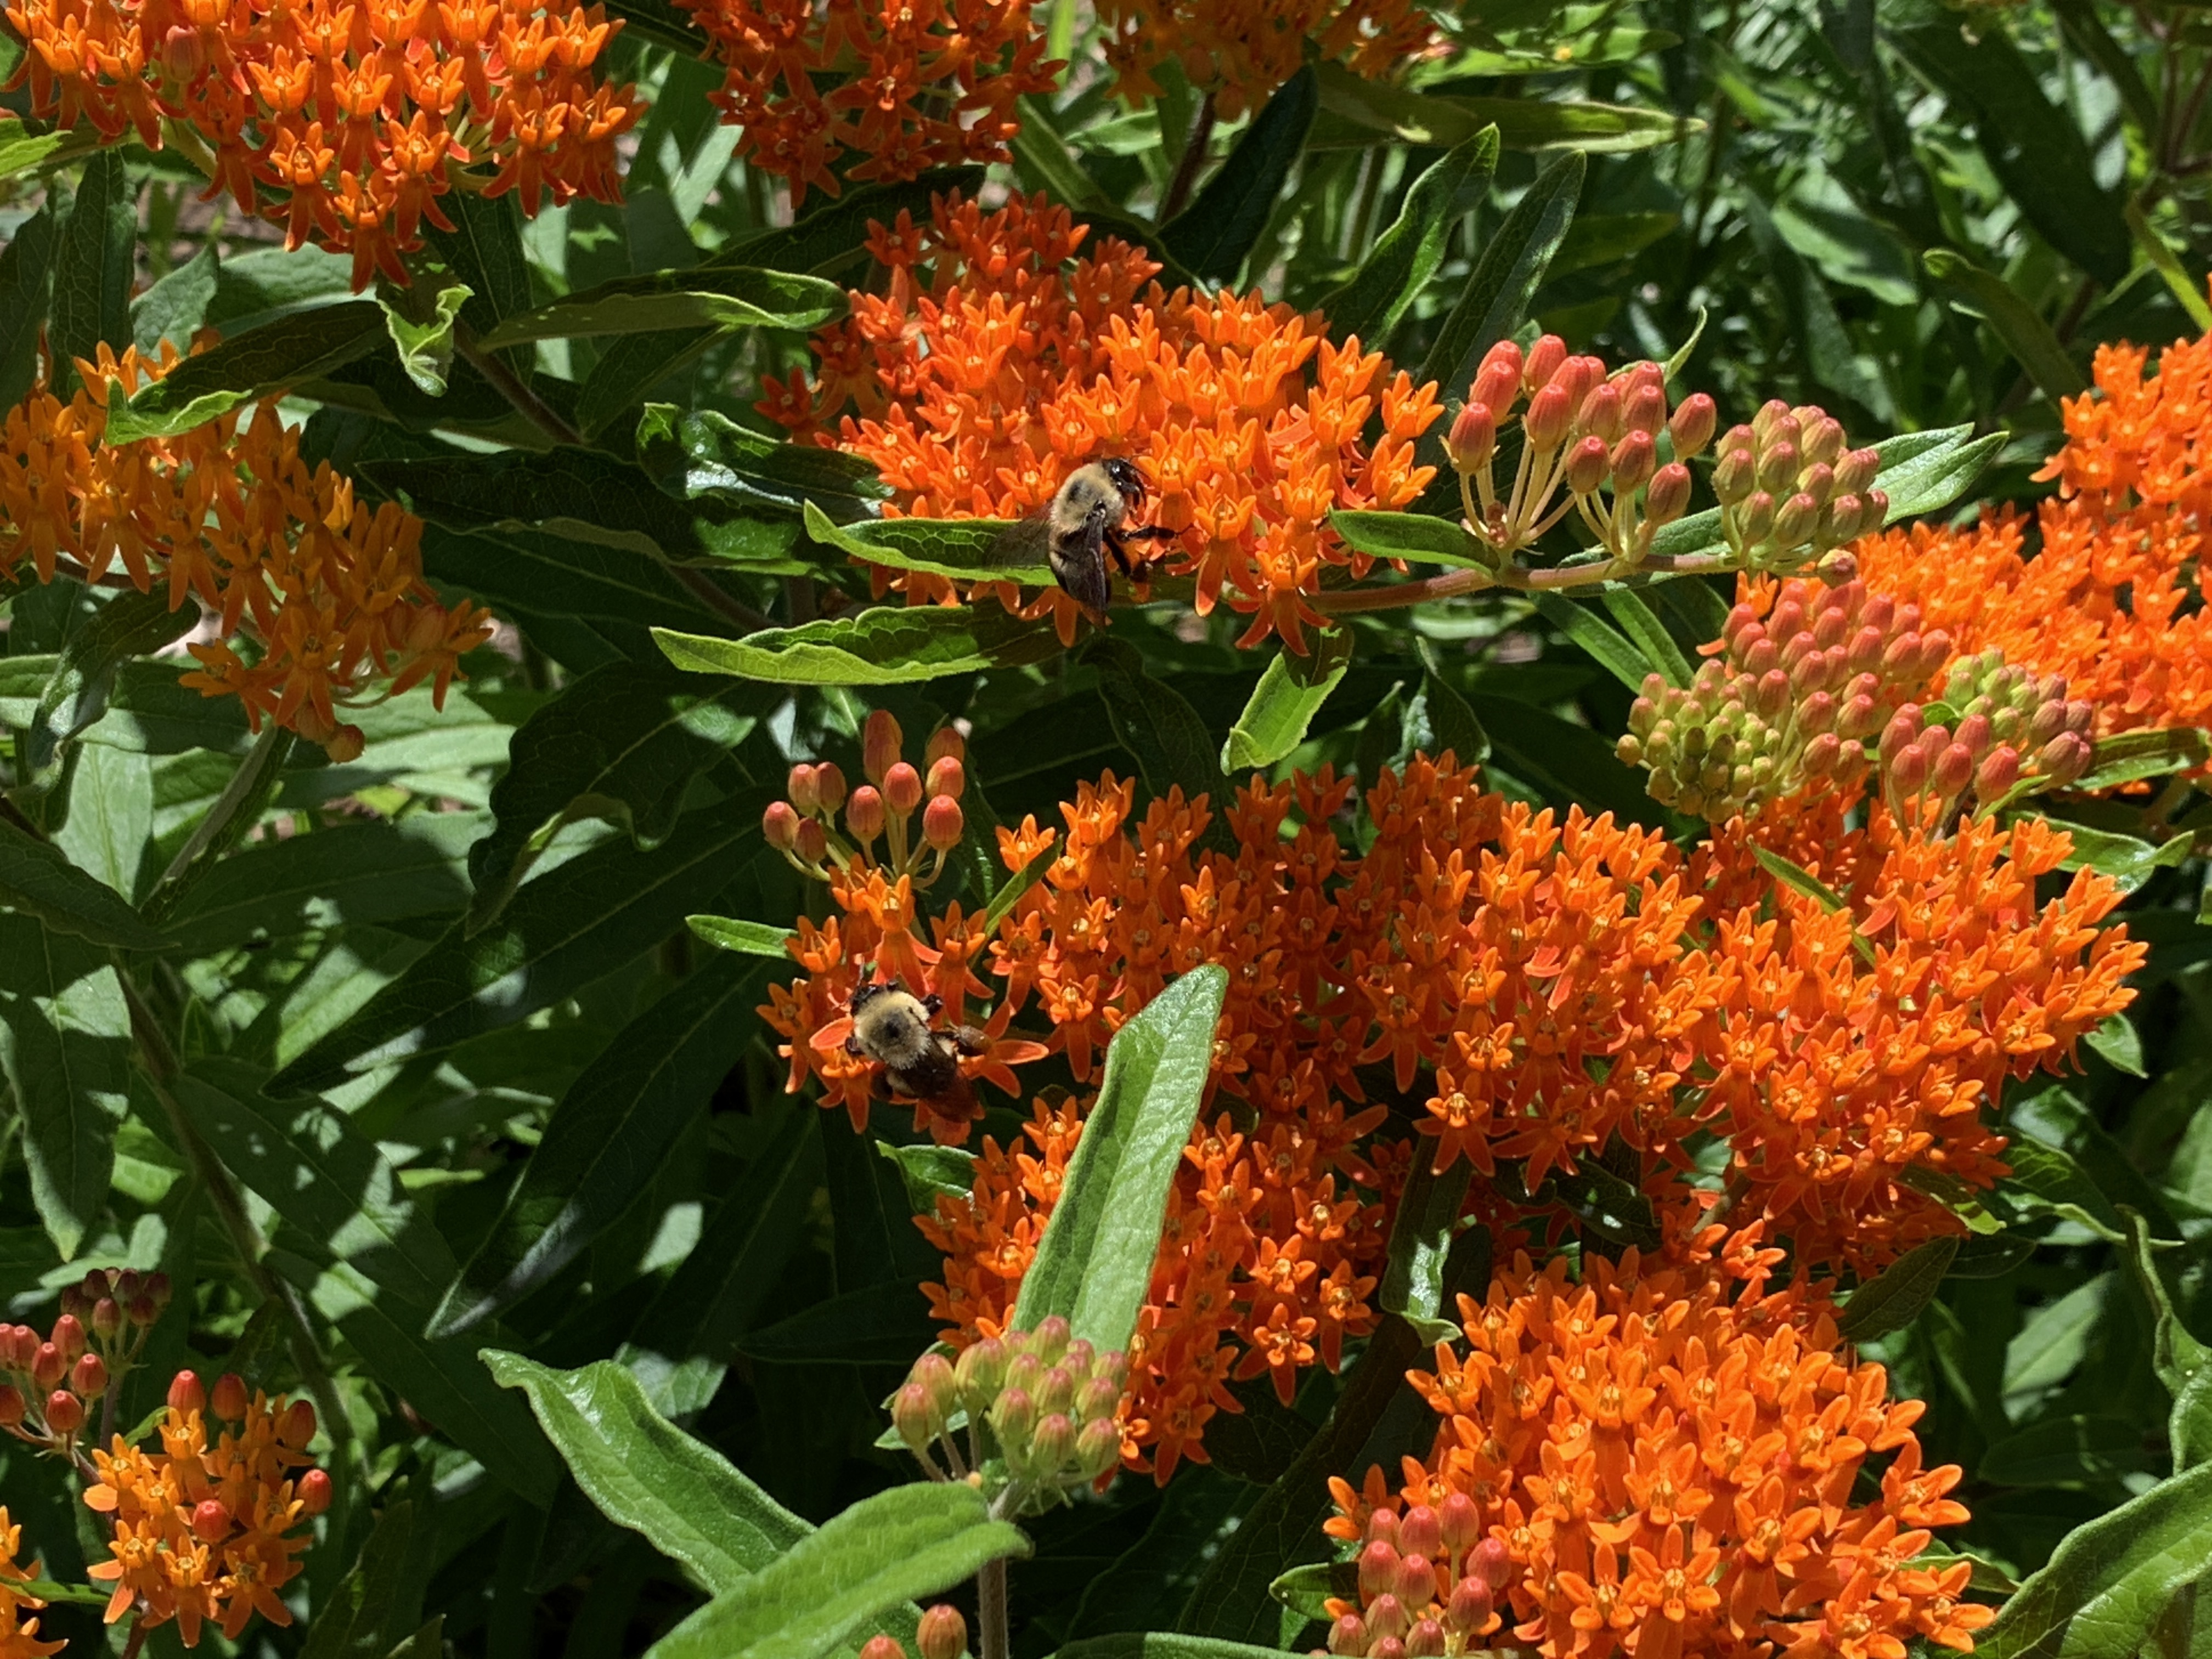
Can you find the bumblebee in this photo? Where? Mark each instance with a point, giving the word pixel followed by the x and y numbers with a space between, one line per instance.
pixel 891 1027
pixel 1087 519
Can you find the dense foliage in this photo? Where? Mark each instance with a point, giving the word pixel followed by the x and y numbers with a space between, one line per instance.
pixel 1576 1023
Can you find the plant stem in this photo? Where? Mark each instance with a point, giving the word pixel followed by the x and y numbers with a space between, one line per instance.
pixel 1452 584
pixel 991 1610
pixel 533 407
pixel 1187 168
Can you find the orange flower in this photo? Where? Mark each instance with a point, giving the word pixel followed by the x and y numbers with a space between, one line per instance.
pixel 1662 1459
pixel 19 1636
pixel 343 122
pixel 319 595
pixel 203 1530
pixel 1242 49
pixel 908 88
pixel 979 386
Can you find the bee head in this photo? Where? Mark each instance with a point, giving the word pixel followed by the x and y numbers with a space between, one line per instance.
pixel 1129 479
pixel 866 992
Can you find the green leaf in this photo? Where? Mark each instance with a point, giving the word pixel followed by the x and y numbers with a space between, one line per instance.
pixel 607 1139
pixel 649 1475
pixel 21 150
pixel 1893 1298
pixel 2184 287
pixel 420 318
pixel 2131 757
pixel 1310 1589
pixel 65 1052
pixel 1505 278
pixel 173 308
pixel 889 644
pixel 1611 650
pixel 95 267
pixel 1362 107
pixel 1965 1202
pixel 1166 735
pixel 1403 260
pixel 701 454
pixel 37 880
pixel 1043 154
pixel 2067 1451
pixel 111 816
pixel 1161 1644
pixel 966 550
pixel 621 744
pixel 1453 728
pixel 1798 879
pixel 1563 762
pixel 358 873
pixel 931 1173
pixel 886 1323
pixel 359 1620
pixel 710 297
pixel 2118 1041
pixel 246 368
pixel 1212 235
pixel 128 625
pixel 1094 1264
pixel 149 713
pixel 1290 692
pixel 752 939
pixel 2183 1364
pixel 1641 624
pixel 2018 324
pixel 483 251
pixel 570 926
pixel 26 284
pixel 908 1542
pixel 2130 862
pixel 1010 890
pixel 1419 537
pixel 1421 1242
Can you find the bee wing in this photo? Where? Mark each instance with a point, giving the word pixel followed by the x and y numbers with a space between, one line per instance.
pixel 1026 541
pixel 1083 572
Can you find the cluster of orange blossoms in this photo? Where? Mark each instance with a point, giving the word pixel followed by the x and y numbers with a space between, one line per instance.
pixel 343 121
pixel 19 1636
pixel 205 1529
pixel 1529 992
pixel 992 367
pixel 1669 1454
pixel 325 594
pixel 1242 49
pixel 910 86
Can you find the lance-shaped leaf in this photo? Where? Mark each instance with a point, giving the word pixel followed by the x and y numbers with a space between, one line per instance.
pixel 127 626
pixel 706 296
pixel 21 151
pixel 1893 1298
pixel 2018 324
pixel 26 286
pixel 1094 1264
pixel 1421 1243
pixel 966 550
pixel 910 1541
pixel 1212 234
pixel 1364 111
pixel 2183 1364
pixel 889 645
pixel 701 454
pixel 608 1137
pixel 65 1053
pixel 245 368
pixel 751 938
pixel 94 268
pixel 1158 727
pixel 562 932
pixel 37 880
pixel 1612 651
pixel 1164 1644
pixel 175 306
pixel 2131 757
pixel 1290 692
pixel 621 744
pixel 1417 537
pixel 1399 266
pixel 885 1324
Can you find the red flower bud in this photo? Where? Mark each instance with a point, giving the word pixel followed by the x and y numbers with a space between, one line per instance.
pixel 313 1491
pixel 1856 469
pixel 1461 1522
pixel 1734 477
pixel 1908 771
pixel 1820 756
pixel 12 1406
pixel 863 814
pixel 1692 429
pixel 902 788
pixel 1668 497
pixel 1381 1527
pixel 1588 464
pixel 1974 732
pixel 1417 1581
pixel 1425 1640
pixel 1644 407
pixel 1635 458
pixel 49 1366
pixel 230 1397
pixel 942 824
pixel 804 789
pixel 883 1647
pixel 942 1634
pixel 1468 1613
pixel 1472 439
pixel 1602 413
pixel 1546 422
pixel 1544 360
pixel 1378 1569
pixel 184 54
pixel 89 1377
pixel 1874 512
pixel 1420 1532
pixel 185 1394
pixel 1581 376
pixel 1387 1617
pixel 944 744
pixel 780 826
pixel 1954 769
pixel 210 1521
pixel 68 1337
pixel 1492 1563
pixel 813 845
pixel 828 788
pixel 64 1412
pixel 107 1318
pixel 2064 758
pixel 1999 771
pixel 1348 1635
pixel 947 776
pixel 297 1426
pixel 881 739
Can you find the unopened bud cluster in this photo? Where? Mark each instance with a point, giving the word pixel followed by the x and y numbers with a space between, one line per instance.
pixel 806 827
pixel 1429 1584
pixel 1797 696
pixel 943 1634
pixel 1993 729
pixel 1039 1409
pixel 1609 442
pixel 50 1385
pixel 1790 488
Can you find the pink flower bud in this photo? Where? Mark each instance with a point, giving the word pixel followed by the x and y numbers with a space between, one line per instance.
pixel 1874 511
pixel 49 1366
pixel 1387 1647
pixel 1348 1635
pixel 1974 732
pixel 780 826
pixel 1954 769
pixel 184 54
pixel 1771 694
pixel 863 814
pixel 1387 1617
pixel 1420 1532
pixel 1050 1339
pixel 942 1634
pixel 1492 1563
pixel 881 739
pixel 1587 466
pixel 902 788
pixel 1544 360
pixel 1460 1520
pixel 1425 1640
pixel 1820 755
pixel 1819 482
pixel 1908 771
pixel 2080 716
pixel 1417 1581
pixel 64 1412
pixel 1602 413
pixel 1054 1443
pixel 313 1491
pixel 69 1336
pixel 229 1398
pixel 801 787
pixel 829 789
pixel 1381 1527
pixel 1755 518
pixel 1692 429
pixel 1472 440
pixel 1762 658
pixel 911 1416
pixel 1635 458
pixel 107 1318
pixel 1998 772
pixel 883 1647
pixel 1546 422
pixel 1846 518
pixel 1823 440
pixel 813 844
pixel 1856 469
pixel 1668 497
pixel 89 1377
pixel 2064 758
pixel 1734 475
pixel 1468 1613
pixel 1378 1569
pixel 1644 407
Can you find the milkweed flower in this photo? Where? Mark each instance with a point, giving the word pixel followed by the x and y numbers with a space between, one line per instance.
pixel 1668 1458
pixel 205 1529
pixel 997 362
pixel 1242 49
pixel 906 87
pixel 344 123
pixel 320 597
pixel 19 1636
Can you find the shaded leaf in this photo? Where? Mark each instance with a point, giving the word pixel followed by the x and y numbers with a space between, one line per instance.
pixel 2131 757
pixel 1365 106
pixel 26 284
pixel 65 1052
pixel 175 306
pixel 693 454
pixel 966 550
pixel 358 1621
pixel 1224 220
pixel 1505 278
pixel 419 318
pixel 37 880
pixel 94 268
pixel 711 297
pixel 1406 256
pixel 889 645
pixel 363 872
pixel 885 1323
pixel 1893 1298
pixel 126 626
pixel 1620 656
pixel 1158 727
pixel 2030 339
pixel 246 368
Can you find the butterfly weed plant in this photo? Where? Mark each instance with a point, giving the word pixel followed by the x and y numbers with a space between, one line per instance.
pixel 1152 830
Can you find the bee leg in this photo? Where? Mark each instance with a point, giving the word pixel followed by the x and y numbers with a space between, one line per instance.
pixel 852 1047
pixel 1134 565
pixel 970 1040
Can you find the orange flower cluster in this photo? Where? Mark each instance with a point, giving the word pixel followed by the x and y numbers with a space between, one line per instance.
pixel 319 596
pixel 1242 49
pixel 993 367
pixel 205 1530
pixel 343 122
pixel 906 87
pixel 1674 1459
pixel 19 1636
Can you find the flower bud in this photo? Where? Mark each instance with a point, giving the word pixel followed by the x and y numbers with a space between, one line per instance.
pixel 1054 1443
pixel 228 1398
pixel 1908 771
pixel 1420 1532
pixel 942 1634
pixel 64 1412
pixel 1348 1635
pixel 1580 376
pixel 881 739
pixel 49 1366
pixel 1417 1581
pixel 1644 407
pixel 944 744
pixel 1387 1616
pixel 1472 440
pixel 1974 732
pixel 12 1406
pixel 1460 1521
pixel 1587 466
pixel 210 1521
pixel 296 1427
pixel 1546 422
pixel 1635 458
pixel 1492 1563
pixel 1820 482
pixel 1823 440
pixel 1602 414
pixel 1378 1569
pixel 344 746
pixel 1056 1392
pixel 313 1491
pixel 1668 497
pixel 68 1337
pixel 903 787
pixel 1954 769
pixel 829 789
pixel 1755 518
pixel 1692 429
pixel 1012 1417
pixel 107 1319
pixel 863 814
pixel 1381 1527
pixel 883 1647
pixel 917 1425
pixel 1049 1340
pixel 1387 1647
pixel 1734 475
pixel 89 1377
pixel 801 787
pixel 184 54
pixel 1025 1371
pixel 978 1373
pixel 780 826
pixel 1098 1448
pixel 943 823
pixel 1467 1614
pixel 947 777
pixel 1793 522
pixel 1544 358
pixel 2064 758
pixel 1999 771
pixel 1425 1640
pixel 1097 1398
pixel 1873 510
pixel 185 1394
pixel 1777 468
pixel 813 844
